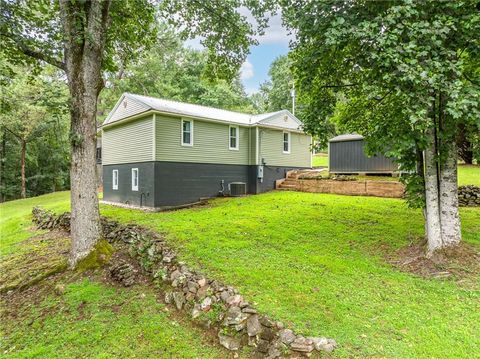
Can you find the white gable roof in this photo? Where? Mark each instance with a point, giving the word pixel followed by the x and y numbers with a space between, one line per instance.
pixel 130 105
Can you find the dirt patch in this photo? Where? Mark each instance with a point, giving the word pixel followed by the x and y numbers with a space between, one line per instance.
pixel 460 263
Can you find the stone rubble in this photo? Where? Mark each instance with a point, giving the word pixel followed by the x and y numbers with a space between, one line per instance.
pixel 209 302
pixel 469 196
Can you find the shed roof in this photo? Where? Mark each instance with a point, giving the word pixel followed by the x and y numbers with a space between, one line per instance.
pixel 346 137
pixel 147 103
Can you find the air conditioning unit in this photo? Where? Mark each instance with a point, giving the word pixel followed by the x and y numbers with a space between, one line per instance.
pixel 237 189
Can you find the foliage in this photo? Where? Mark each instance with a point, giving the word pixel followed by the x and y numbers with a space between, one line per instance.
pixel 393 63
pixel 34 110
pixel 277 91
pixel 170 71
pixel 300 257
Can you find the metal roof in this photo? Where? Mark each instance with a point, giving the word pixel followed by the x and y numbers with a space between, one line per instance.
pixel 199 111
pixel 346 137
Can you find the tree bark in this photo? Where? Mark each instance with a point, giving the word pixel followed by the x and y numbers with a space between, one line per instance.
pixel 449 215
pixel 83 60
pixel 23 144
pixel 432 203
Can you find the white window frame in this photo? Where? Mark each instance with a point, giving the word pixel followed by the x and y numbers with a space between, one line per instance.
pixel 115 179
pixel 135 170
pixel 191 133
pixel 237 137
pixel 289 142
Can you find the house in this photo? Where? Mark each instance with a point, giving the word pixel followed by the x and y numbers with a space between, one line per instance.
pixel 346 155
pixel 159 153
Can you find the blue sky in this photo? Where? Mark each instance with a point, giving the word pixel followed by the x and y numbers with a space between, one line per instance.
pixel 274 43
pixel 255 70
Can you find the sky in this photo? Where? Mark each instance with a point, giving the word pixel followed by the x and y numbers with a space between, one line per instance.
pixel 274 43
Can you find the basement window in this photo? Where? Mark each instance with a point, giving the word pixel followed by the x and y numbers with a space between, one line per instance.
pixel 134 179
pixel 115 179
pixel 187 132
pixel 233 137
pixel 286 142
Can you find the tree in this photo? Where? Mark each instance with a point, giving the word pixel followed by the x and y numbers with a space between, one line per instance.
pixel 169 70
pixel 277 90
pixel 33 114
pixel 401 65
pixel 85 38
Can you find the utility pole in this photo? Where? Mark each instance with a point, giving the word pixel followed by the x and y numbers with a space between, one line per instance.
pixel 292 93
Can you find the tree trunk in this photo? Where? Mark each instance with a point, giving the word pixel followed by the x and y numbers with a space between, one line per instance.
pixel 432 203
pixel 85 221
pixel 464 145
pixel 449 216
pixel 83 59
pixel 23 143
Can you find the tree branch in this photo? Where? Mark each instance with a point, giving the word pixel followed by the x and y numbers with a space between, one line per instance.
pixel 471 80
pixel 26 50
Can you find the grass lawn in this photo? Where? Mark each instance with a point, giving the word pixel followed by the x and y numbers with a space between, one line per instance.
pixel 316 262
pixel 320 160
pixel 469 174
pixel 91 318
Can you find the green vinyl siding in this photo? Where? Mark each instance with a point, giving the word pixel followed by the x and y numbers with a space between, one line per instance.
pixel 129 142
pixel 210 143
pixel 271 148
pixel 253 146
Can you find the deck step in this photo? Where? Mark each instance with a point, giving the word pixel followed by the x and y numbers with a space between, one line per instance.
pixel 283 186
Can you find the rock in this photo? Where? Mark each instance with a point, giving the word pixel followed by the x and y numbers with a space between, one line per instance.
pixel 168 297
pixel 192 287
pixel 123 273
pixel 318 343
pixel 301 344
pixel 249 310
pixel 206 304
pixel 179 299
pixel 266 322
pixel 202 282
pixel 262 346
pixel 253 326
pixel 286 336
pixel 231 343
pixel 196 311
pixel 268 333
pixel 202 292
pixel 234 316
pixel 274 350
pixel 225 295
pixel 234 300
pixel 59 289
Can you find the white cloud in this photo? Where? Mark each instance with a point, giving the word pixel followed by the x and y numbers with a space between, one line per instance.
pixel 246 71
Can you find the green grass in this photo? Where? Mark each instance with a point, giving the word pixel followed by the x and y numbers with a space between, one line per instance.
pixel 94 320
pixel 315 261
pixel 469 174
pixel 91 319
pixel 320 159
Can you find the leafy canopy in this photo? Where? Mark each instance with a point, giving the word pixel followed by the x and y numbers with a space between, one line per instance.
pixel 387 60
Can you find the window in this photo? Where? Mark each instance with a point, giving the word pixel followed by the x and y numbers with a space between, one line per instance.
pixel 286 142
pixel 233 137
pixel 115 179
pixel 134 179
pixel 187 133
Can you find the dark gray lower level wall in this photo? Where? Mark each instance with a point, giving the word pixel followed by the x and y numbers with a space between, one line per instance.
pixel 145 195
pixel 178 183
pixel 164 184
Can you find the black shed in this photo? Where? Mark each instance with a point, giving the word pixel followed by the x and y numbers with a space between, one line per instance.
pixel 346 155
